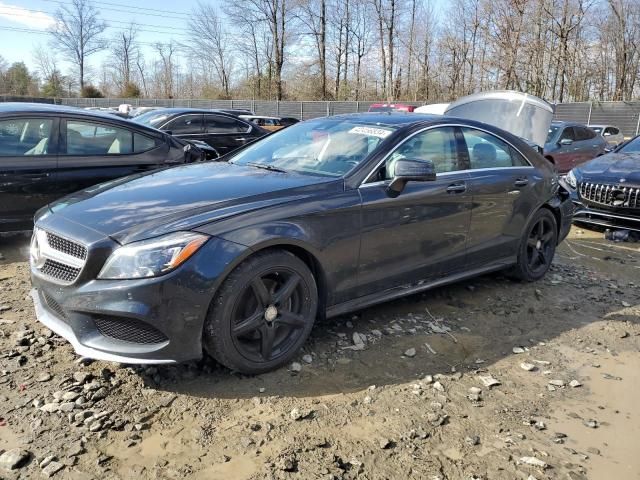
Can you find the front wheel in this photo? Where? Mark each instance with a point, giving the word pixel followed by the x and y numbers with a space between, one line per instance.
pixel 263 313
pixel 537 247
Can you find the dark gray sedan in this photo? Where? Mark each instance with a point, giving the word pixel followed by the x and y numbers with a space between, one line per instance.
pixel 571 144
pixel 240 257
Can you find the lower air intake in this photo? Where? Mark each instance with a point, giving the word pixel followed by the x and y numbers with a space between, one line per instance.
pixel 129 330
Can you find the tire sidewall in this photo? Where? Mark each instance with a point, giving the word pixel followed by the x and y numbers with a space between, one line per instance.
pixel 523 264
pixel 217 332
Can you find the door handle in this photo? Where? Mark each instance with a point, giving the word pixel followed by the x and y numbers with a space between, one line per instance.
pixel 241 139
pixel 460 187
pixel 521 182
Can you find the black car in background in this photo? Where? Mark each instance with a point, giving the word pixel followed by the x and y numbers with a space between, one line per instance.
pixel 222 131
pixel 327 216
pixel 49 151
pixel 606 190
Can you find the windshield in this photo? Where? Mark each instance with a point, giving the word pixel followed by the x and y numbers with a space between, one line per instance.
pixel 598 130
pixel 632 147
pixel 151 119
pixel 319 147
pixel 553 129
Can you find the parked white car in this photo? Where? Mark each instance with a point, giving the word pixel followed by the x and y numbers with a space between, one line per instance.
pixel 611 134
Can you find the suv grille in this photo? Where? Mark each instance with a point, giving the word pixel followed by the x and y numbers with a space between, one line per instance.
pixel 59 271
pixel 66 246
pixel 615 196
pixel 129 330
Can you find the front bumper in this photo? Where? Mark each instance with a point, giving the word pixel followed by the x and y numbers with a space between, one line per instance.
pixel 628 219
pixel 143 321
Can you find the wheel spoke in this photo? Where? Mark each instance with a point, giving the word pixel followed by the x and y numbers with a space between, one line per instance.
pixel 287 290
pixel 261 292
pixel 268 335
pixel 251 324
pixel 532 242
pixel 291 319
pixel 547 237
pixel 542 257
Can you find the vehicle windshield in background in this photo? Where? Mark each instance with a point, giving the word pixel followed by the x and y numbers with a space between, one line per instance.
pixel 632 147
pixel 323 147
pixel 553 129
pixel 151 119
pixel 598 130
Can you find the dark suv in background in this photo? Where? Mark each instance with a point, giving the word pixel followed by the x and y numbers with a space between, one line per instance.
pixel 222 131
pixel 49 151
pixel 571 144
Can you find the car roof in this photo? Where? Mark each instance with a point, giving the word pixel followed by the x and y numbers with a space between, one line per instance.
pixel 389 118
pixel 51 109
pixel 567 123
pixel 600 125
pixel 259 116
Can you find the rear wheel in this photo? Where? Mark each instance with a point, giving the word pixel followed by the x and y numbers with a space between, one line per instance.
pixel 537 247
pixel 263 313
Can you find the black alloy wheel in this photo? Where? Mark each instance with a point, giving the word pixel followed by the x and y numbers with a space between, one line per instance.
pixel 263 313
pixel 537 247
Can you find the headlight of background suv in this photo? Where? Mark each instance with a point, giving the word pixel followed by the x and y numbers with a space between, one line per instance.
pixel 571 180
pixel 150 258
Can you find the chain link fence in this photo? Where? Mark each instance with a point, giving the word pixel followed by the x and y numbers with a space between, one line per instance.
pixel 624 115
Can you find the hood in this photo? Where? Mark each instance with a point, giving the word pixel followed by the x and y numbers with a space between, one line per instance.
pixel 182 198
pixel 613 167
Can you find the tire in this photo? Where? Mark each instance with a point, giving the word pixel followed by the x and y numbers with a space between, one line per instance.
pixel 262 314
pixel 537 247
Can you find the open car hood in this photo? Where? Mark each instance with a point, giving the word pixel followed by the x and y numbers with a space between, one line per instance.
pixel 523 115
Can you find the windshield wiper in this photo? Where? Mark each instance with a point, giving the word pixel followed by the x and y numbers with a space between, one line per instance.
pixel 266 166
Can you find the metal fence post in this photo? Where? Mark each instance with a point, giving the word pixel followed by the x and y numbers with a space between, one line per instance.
pixel 301 110
pixel 589 117
pixel 638 124
pixel 328 109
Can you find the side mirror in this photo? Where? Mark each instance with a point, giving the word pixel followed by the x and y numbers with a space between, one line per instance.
pixel 565 141
pixel 407 170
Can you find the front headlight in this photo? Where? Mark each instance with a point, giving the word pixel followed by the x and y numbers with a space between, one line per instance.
pixel 150 258
pixel 571 180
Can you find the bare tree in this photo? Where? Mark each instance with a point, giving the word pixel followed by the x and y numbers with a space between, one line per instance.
pixel 124 52
pixel 77 33
pixel 210 42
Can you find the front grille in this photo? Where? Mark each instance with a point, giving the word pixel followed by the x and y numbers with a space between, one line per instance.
pixel 54 306
pixel 129 330
pixel 615 196
pixel 59 271
pixel 66 246
pixel 56 257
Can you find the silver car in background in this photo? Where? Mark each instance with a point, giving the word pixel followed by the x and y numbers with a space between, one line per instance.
pixel 612 135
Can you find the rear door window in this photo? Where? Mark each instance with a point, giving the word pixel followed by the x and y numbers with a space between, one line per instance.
pixel 142 143
pixel 488 151
pixel 94 139
pixel 220 124
pixel 568 134
pixel 185 124
pixel 25 137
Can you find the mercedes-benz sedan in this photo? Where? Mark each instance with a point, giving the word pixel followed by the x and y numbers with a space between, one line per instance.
pixel 240 258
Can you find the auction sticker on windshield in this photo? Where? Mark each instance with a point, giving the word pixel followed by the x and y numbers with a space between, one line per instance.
pixel 371 131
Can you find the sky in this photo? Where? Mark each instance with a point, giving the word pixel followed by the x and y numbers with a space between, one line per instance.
pixel 23 23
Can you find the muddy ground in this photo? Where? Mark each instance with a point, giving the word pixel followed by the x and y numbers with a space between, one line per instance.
pixel 414 403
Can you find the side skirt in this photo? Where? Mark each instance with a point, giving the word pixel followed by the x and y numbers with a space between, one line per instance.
pixel 405 290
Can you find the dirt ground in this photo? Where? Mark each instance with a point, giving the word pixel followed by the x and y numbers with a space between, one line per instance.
pixel 413 402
